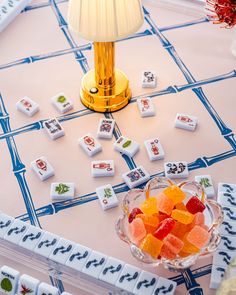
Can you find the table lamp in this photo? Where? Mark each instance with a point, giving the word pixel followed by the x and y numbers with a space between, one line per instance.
pixel 105 89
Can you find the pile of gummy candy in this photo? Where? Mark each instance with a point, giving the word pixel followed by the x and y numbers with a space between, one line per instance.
pixel 165 227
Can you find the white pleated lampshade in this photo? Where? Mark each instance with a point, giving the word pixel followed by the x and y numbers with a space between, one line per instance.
pixel 105 20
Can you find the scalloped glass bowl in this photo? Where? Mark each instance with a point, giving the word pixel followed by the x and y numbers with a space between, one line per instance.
pixel 213 219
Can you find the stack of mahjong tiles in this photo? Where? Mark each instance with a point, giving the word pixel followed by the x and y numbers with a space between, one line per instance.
pixel 169 225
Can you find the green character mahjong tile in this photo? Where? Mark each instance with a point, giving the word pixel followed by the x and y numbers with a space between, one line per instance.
pixel 62 188
pixel 61 99
pixel 205 182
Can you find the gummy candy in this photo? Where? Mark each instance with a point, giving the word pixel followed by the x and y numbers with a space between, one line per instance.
pixel 198 236
pixel 164 204
pixel 149 206
pixel 162 216
pixel 180 229
pixel 195 205
pixel 150 222
pixel 137 230
pixel 174 193
pixel 151 245
pixel 167 253
pixel 188 247
pixel 181 206
pixel 199 219
pixel 164 228
pixel 182 216
pixel 174 244
pixel 133 214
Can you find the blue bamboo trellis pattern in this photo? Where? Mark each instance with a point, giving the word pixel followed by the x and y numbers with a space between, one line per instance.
pixel 189 277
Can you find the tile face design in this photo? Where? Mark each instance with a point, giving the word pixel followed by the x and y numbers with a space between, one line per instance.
pixel 126 146
pixel 146 283
pixel 176 169
pixel 27 106
pixel 128 278
pixel 46 244
pixel 226 188
pixel 103 168
pixel 105 128
pixel 164 286
pixel 90 145
pixel 5 223
pixel 111 270
pixel 136 177
pixel 186 122
pixel 62 103
pixel 207 184
pixel 107 197
pixel 62 191
pixel 16 231
pixel 42 168
pixel 154 149
pixel 27 285
pixel 217 274
pixel 78 257
pixel 146 107
pixel 45 289
pixel 31 238
pixel 223 258
pixel 62 251
pixel 227 243
pixel 227 199
pixel 149 79
pixel 228 228
pixel 94 264
pixel 8 280
pixel 53 128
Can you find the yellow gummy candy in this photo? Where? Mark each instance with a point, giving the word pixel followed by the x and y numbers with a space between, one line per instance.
pixel 174 193
pixel 149 206
pixel 151 245
pixel 182 216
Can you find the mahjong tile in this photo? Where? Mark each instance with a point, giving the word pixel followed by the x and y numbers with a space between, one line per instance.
pixel 164 286
pixel 186 122
pixel 94 264
pixel 227 199
pixel 62 251
pixel 105 128
pixel 46 244
pixel 146 107
pixel 42 168
pixel 8 280
pixel 62 191
pixel 128 278
pixel 176 169
pixel 223 258
pixel 53 128
pixel 45 289
pixel 27 106
pixel 31 238
pixel 62 103
pixel 111 270
pixel 65 293
pixel 90 145
pixel 154 149
pixel 227 243
pixel 16 231
pixel 228 228
pixel 126 146
pixel 136 177
pixel 5 223
pixel 207 184
pixel 217 274
pixel 227 188
pixel 146 283
pixel 102 168
pixel 229 212
pixel 107 197
pixel 27 285
pixel 78 257
pixel 149 79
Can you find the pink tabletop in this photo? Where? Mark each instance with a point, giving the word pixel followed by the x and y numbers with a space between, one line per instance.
pixel 40 58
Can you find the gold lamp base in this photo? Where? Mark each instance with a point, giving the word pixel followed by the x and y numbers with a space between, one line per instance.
pixel 109 99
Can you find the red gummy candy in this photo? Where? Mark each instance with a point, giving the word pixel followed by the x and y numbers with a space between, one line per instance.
pixel 133 214
pixel 162 216
pixel 164 228
pixel 194 205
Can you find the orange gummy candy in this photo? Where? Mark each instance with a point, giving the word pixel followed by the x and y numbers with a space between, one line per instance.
pixel 198 236
pixel 174 193
pixel 199 219
pixel 149 206
pixel 164 204
pixel 182 216
pixel 167 253
pixel 174 244
pixel 151 245
pixel 181 206
pixel 180 229
pixel 183 254
pixel 150 222
pixel 188 247
pixel 137 230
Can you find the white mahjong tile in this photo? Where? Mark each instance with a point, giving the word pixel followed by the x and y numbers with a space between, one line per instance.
pixel 207 184
pixel 42 168
pixel 176 169
pixel 227 243
pixel 227 199
pixel 164 286
pixel 53 128
pixel 5 222
pixel 128 278
pixel 31 238
pixel 111 270
pixel 94 264
pixel 62 191
pixel 78 257
pixel 154 149
pixel 107 197
pixel 27 285
pixel 62 251
pixel 46 244
pixel 149 79
pixel 146 107
pixel 62 103
pixel 227 188
pixel 45 289
pixel 126 146
pixel 217 274
pixel 8 280
pixel 229 212
pixel 146 283
pixel 223 258
pixel 16 231
pixel 228 228
pixel 65 293
pixel 105 128
pixel 102 168
pixel 136 177
pixel 186 122
pixel 90 145
pixel 27 106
